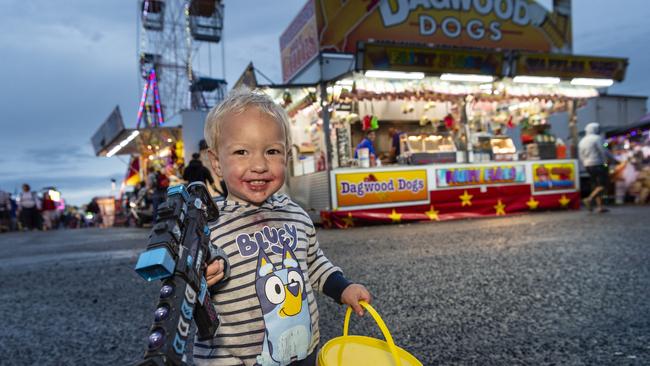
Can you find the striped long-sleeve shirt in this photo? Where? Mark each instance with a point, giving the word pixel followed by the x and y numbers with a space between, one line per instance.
pixel 267 308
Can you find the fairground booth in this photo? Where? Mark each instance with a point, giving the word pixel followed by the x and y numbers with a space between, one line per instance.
pixel 457 94
pixel 149 145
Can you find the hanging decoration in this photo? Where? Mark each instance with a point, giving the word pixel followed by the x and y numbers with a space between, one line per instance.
pixel 449 121
pixel 374 123
pixel 365 122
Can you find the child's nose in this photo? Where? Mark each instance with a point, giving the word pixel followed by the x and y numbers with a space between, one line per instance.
pixel 258 163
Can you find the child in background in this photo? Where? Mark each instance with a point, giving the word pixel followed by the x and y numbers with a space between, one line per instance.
pixel 267 306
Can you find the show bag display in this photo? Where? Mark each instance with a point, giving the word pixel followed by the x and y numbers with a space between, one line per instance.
pixel 552 176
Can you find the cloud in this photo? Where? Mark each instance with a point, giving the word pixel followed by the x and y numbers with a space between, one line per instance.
pixel 57 155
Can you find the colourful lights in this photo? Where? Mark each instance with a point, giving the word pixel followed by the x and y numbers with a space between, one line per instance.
pixel 123 143
pixel 152 83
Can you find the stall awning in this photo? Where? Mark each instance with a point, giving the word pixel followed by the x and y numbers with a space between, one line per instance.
pixel 141 141
pixel 497 63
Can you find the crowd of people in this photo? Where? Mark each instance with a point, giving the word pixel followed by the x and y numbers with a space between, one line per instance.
pixel 621 171
pixel 29 210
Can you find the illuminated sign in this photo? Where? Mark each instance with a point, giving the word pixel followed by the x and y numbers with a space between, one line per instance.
pixel 378 57
pixel 480 175
pixel 553 177
pixel 566 66
pixel 504 24
pixel 377 187
pixel 299 42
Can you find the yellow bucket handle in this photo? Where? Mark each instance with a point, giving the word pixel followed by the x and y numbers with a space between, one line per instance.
pixel 380 323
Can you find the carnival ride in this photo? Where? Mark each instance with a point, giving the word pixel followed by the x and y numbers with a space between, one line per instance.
pixel 175 46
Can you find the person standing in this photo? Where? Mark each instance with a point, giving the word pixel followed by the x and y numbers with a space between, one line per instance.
pixel 395 146
pixel 5 211
pixel 49 212
pixel 29 205
pixel 197 172
pixel 93 207
pixel 161 183
pixel 367 143
pixel 594 157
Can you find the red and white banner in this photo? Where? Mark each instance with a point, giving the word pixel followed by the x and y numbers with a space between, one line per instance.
pixel 453 204
pixel 450 191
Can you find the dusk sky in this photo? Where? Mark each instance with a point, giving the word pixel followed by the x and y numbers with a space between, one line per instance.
pixel 64 65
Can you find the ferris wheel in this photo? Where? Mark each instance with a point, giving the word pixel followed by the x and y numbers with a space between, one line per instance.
pixel 178 51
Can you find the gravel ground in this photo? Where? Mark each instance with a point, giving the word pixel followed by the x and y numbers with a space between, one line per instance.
pixel 563 288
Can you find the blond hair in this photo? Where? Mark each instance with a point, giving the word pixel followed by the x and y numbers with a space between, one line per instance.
pixel 238 101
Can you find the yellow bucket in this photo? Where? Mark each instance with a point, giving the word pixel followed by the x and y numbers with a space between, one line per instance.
pixel 352 350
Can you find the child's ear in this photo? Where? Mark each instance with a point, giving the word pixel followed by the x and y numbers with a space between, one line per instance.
pixel 214 162
pixel 289 153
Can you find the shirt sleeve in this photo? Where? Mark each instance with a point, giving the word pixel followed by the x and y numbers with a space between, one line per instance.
pixel 335 285
pixel 318 266
pixel 371 148
pixel 604 152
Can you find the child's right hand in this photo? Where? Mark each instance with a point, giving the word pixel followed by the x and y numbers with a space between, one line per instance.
pixel 353 294
pixel 214 272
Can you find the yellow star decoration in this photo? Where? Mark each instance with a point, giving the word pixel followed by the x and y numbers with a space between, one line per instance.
pixel 500 208
pixel 466 199
pixel 532 203
pixel 395 216
pixel 564 200
pixel 349 221
pixel 432 214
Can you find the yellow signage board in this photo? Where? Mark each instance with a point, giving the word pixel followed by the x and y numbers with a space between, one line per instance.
pixel 379 187
pixel 502 24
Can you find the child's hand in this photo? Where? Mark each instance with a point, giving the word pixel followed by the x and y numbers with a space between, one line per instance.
pixel 214 272
pixel 353 294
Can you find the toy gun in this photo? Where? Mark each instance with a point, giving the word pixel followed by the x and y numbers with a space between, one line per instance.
pixel 178 252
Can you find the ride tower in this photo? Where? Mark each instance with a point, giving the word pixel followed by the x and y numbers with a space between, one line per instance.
pixel 178 53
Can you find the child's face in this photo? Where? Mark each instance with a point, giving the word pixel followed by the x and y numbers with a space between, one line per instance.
pixel 251 156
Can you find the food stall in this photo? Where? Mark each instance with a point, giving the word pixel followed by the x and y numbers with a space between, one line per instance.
pixel 151 146
pixel 452 164
pixel 466 89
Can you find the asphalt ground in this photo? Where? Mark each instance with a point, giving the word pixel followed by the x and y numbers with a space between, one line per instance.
pixel 560 288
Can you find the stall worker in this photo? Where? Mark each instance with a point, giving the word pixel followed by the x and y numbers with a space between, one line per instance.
pixel 395 146
pixel 368 143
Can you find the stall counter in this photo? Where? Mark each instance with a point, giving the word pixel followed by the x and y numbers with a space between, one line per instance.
pixel 449 191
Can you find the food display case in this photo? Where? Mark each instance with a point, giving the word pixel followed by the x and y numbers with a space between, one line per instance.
pixel 503 148
pixel 419 149
pixel 481 147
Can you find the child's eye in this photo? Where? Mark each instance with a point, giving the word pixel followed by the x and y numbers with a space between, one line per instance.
pixel 240 152
pixel 274 152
